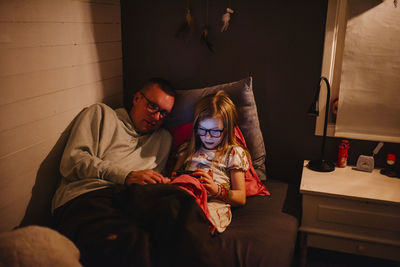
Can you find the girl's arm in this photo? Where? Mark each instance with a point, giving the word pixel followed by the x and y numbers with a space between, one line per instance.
pixel 237 195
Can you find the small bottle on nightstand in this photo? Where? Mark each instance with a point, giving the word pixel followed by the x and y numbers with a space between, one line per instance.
pixel 389 169
pixel 343 154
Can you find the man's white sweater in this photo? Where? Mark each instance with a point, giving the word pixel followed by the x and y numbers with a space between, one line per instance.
pixel 102 148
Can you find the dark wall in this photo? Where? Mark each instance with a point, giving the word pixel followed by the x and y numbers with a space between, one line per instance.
pixel 279 43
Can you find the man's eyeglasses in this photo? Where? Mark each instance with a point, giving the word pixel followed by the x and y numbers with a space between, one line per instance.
pixel 154 108
pixel 212 132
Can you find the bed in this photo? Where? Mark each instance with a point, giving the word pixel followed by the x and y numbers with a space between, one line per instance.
pixel 262 233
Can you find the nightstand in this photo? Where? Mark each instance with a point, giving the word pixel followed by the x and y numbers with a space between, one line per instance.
pixel 350 211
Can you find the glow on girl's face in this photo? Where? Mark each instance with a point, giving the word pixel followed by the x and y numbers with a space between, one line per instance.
pixel 214 123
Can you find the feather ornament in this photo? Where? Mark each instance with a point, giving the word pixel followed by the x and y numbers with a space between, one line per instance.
pixel 187 26
pixel 204 38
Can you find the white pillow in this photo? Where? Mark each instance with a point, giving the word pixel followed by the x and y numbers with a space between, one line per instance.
pixel 37 246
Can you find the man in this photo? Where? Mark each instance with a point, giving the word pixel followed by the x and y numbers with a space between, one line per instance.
pixel 113 202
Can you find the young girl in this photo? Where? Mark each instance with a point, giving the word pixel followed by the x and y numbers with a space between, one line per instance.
pixel 215 156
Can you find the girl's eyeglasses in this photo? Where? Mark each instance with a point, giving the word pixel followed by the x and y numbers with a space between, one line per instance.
pixel 154 108
pixel 212 132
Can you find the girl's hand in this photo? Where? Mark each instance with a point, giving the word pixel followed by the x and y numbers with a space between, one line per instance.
pixel 207 180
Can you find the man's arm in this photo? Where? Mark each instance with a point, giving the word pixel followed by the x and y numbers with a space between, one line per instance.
pixel 80 158
pixel 81 155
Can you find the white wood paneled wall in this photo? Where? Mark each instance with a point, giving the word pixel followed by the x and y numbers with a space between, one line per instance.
pixel 56 57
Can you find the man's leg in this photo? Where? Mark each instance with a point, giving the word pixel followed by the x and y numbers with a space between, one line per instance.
pixel 151 225
pixel 104 236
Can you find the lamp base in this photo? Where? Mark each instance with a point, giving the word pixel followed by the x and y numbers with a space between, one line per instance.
pixel 321 165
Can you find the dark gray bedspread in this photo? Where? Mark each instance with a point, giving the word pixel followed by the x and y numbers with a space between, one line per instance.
pixel 264 232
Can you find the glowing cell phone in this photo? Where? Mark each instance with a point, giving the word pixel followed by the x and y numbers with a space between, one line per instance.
pixel 188 173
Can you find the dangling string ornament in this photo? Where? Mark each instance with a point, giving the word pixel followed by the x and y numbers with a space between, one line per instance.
pixel 187 25
pixel 226 17
pixel 204 38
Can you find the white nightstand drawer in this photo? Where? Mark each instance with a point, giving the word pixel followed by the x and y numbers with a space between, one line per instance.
pixel 349 216
pixel 359 216
pixel 354 246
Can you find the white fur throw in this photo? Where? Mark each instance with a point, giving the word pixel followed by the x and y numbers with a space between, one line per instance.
pixel 37 246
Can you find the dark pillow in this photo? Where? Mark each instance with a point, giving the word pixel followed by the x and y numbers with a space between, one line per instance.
pixel 241 93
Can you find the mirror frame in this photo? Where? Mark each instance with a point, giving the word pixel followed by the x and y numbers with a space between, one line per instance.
pixel 335 32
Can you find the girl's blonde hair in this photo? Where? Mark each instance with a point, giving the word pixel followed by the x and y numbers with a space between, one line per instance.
pixel 211 106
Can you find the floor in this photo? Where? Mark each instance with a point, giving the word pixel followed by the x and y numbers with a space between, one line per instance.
pixel 325 258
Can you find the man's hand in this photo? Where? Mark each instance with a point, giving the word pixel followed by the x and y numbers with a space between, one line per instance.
pixel 145 177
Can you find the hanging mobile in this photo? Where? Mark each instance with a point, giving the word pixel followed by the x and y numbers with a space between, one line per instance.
pixel 226 18
pixel 204 38
pixel 187 25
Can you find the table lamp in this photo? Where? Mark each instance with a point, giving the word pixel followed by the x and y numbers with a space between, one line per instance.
pixel 321 165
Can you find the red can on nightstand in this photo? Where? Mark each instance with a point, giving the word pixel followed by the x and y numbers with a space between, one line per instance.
pixel 343 154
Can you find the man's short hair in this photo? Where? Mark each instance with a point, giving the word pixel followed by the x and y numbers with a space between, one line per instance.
pixel 165 85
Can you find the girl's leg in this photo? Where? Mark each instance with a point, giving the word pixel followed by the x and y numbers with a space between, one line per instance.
pixel 177 226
